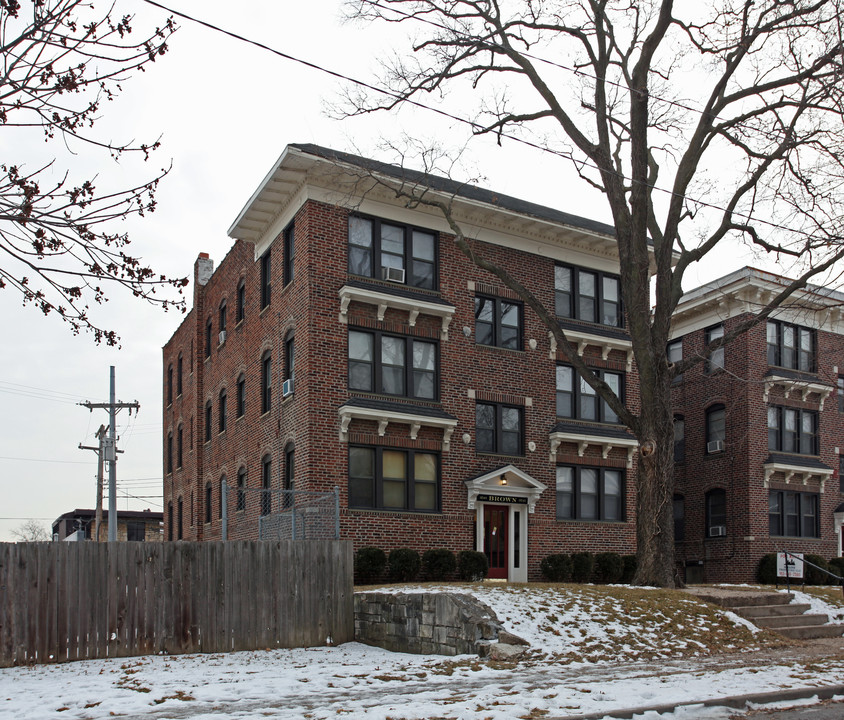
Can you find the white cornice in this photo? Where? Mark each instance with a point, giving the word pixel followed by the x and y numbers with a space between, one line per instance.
pixel 583 441
pixel 348 413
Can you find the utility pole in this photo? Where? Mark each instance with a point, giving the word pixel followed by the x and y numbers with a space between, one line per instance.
pixel 109 450
pixel 98 518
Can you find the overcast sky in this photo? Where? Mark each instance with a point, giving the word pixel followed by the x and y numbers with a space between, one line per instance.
pixel 224 111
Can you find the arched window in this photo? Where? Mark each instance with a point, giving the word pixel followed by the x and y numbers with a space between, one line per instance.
pixel 209 331
pixel 266 493
pixel 208 411
pixel 208 502
pixel 179 518
pixel 679 439
pixel 266 381
pixel 289 355
pixel 179 375
pixel 716 429
pixel 169 452
pixel 180 446
pixel 289 475
pixel 170 520
pixel 679 518
pixel 241 489
pixel 241 395
pixel 222 410
pixel 222 320
pixel 716 513
pixel 222 495
pixel 170 385
pixel 240 312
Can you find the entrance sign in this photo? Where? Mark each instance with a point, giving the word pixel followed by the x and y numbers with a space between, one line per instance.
pixel 790 565
pixel 512 499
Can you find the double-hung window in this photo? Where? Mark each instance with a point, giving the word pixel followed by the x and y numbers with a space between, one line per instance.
pixel 585 493
pixel 241 301
pixel 209 333
pixel 393 365
pixel 579 400
pixel 675 355
pixel 289 254
pixel 716 429
pixel 790 346
pixel 587 295
pixel 793 430
pixel 390 479
pixel 793 514
pixel 499 429
pixel 266 278
pixel 266 382
pixel 392 251
pixel 498 322
pixel 716 357
pixel 716 512
pixel 241 395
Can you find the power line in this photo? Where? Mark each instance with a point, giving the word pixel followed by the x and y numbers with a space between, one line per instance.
pixel 63 462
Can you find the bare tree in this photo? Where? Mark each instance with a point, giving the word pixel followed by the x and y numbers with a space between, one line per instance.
pixel 701 124
pixel 61 61
pixel 30 531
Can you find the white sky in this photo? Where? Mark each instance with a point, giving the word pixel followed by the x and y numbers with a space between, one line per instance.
pixel 225 110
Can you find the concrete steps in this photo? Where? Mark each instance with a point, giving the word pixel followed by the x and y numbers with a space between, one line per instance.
pixel 776 612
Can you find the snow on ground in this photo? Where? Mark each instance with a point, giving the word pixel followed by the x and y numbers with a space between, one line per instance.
pixel 355 681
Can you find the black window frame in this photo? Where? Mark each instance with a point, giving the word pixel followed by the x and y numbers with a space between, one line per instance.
pixel 576 495
pixel 222 408
pixel 266 485
pixel 603 412
pixel 716 500
pixel 241 395
pixel 240 309
pixel 497 326
pixel 289 253
pixel 209 334
pixel 498 432
pixel 289 474
pixel 180 446
pixel 169 452
pixel 179 375
pixel 804 443
pixel 674 354
pixel 679 514
pixel 266 278
pixel 170 520
pixel 222 495
pixel 571 304
pixel 209 497
pixel 289 355
pixel 169 385
pixel 134 529
pixel 223 313
pixel 806 510
pixel 776 352
pixel 679 441
pixel 208 418
pixel 408 258
pixel 377 479
pixel 241 489
pixel 716 360
pixel 710 419
pixel 266 382
pixel 180 518
pixel 376 371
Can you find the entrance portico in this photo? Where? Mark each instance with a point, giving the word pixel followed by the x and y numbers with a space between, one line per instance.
pixel 502 500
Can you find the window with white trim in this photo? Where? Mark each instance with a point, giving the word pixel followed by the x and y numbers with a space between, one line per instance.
pixel 393 364
pixel 498 322
pixel 578 400
pixel 792 430
pixel 499 429
pixel 587 295
pixel 392 479
pixel 793 514
pixel 790 346
pixel 588 493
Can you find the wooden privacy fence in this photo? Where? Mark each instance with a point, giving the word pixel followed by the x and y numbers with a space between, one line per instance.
pixel 65 601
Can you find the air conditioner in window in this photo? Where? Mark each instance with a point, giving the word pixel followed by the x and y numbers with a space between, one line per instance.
pixel 222 336
pixel 287 388
pixel 715 446
pixel 718 531
pixel 393 274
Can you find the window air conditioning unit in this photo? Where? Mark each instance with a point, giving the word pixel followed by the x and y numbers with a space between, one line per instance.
pixel 715 446
pixel 287 388
pixel 392 274
pixel 718 531
pixel 222 336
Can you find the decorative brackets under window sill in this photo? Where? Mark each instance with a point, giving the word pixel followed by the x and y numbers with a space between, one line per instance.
pixel 584 441
pixel 582 339
pixel 795 472
pixel 383 301
pixel 385 417
pixel 798 387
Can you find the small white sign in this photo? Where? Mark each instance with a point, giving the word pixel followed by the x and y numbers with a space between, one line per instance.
pixel 790 565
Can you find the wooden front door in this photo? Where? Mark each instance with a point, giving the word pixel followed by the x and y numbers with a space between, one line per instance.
pixel 495 539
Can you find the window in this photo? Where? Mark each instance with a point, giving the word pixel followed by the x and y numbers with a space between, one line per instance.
pixel 393 365
pixel 577 399
pixel 221 420
pixel 585 493
pixel 793 514
pixel 498 429
pixel 169 452
pixel 222 496
pixel 241 395
pixel 222 320
pixel 793 431
pixel 289 253
pixel 240 311
pixel 179 374
pixel 498 322
pixel 209 326
pixel 289 474
pixel 241 489
pixel 389 251
pixel 587 295
pixel 266 282
pixel 136 531
pixel 841 473
pixel 266 493
pixel 716 358
pixel 675 355
pixel 208 421
pixel 679 439
pixel 289 355
pixel 208 502
pixel 179 518
pixel 180 446
pixel 790 346
pixel 170 520
pixel 393 479
pixel 170 385
pixel 679 518
pixel 840 394
pixel 716 429
pixel 716 513
pixel 266 382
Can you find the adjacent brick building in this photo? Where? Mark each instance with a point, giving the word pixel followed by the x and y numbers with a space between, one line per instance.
pixel 759 427
pixel 132 525
pixel 345 341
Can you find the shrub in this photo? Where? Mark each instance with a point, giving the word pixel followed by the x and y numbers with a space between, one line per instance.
pixel 813 576
pixel 582 566
pixel 370 563
pixel 629 562
pixel 836 565
pixel 556 568
pixel 609 566
pixel 767 571
pixel 472 565
pixel 404 564
pixel 438 564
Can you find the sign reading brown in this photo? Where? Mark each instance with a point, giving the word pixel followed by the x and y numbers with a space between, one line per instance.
pixel 503 499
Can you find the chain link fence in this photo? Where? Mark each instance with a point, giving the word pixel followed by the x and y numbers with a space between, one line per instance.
pixel 273 514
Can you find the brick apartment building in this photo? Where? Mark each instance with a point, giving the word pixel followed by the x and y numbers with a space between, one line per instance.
pixel 759 428
pixel 132 525
pixel 345 342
